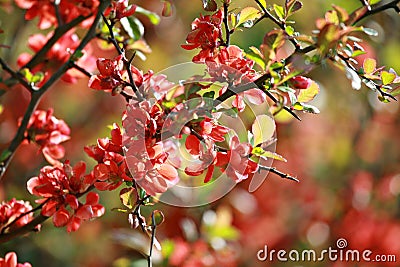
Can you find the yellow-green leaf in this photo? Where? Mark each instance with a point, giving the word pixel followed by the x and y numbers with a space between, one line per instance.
pixel 263 129
pixel 279 11
pixel 369 65
pixel 387 77
pixel 308 94
pixel 248 14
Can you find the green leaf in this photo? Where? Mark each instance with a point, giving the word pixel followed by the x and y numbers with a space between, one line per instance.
pixel 387 77
pixel 263 129
pixel 231 112
pixel 292 97
pixel 27 74
pixel 310 109
pixel 286 89
pixel 358 53
pixel 256 56
pixel 289 30
pixel 258 151
pixel 133 27
pixel 210 94
pixel 128 197
pixel 370 31
pixel 153 17
pixel 308 94
pixel 373 2
pixel 298 106
pixel 5 154
pixel 279 11
pixel 248 14
pixel 369 65
pixel 38 77
pixel 209 5
pixel 263 3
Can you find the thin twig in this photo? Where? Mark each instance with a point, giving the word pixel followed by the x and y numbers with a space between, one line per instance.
pixel 281 25
pixel 379 8
pixel 153 236
pixel 279 173
pixel 82 70
pixel 365 3
pixel 58 14
pixel 127 63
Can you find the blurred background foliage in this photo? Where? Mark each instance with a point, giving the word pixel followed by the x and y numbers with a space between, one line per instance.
pixel 347 159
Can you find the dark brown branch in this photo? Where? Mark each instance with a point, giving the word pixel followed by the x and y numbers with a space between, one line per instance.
pixel 16 75
pixel 379 8
pixel 227 30
pixel 259 83
pixel 27 228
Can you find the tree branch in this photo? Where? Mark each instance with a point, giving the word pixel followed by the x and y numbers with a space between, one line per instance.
pixel 279 173
pixel 227 30
pixel 37 95
pixel 379 8
pixel 281 24
pixel 16 75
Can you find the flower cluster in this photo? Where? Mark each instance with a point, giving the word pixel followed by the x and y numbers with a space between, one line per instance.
pixel 59 54
pixel 146 155
pixel 14 213
pixel 120 9
pixel 60 189
pixel 46 10
pixel 111 170
pixel 48 132
pixel 10 260
pixel 206 34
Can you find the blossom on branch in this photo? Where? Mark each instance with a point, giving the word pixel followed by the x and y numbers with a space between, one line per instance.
pixel 60 189
pixel 46 10
pixel 59 54
pixel 15 212
pixel 206 34
pixel 48 132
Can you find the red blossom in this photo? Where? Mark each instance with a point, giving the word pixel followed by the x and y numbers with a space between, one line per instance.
pixel 59 54
pixel 60 189
pixel 146 156
pixel 48 132
pixel 205 156
pixel 236 161
pixel 13 209
pixel 210 129
pixel 10 260
pixel 45 10
pixel 301 82
pixel 104 145
pixel 120 9
pixel 205 33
